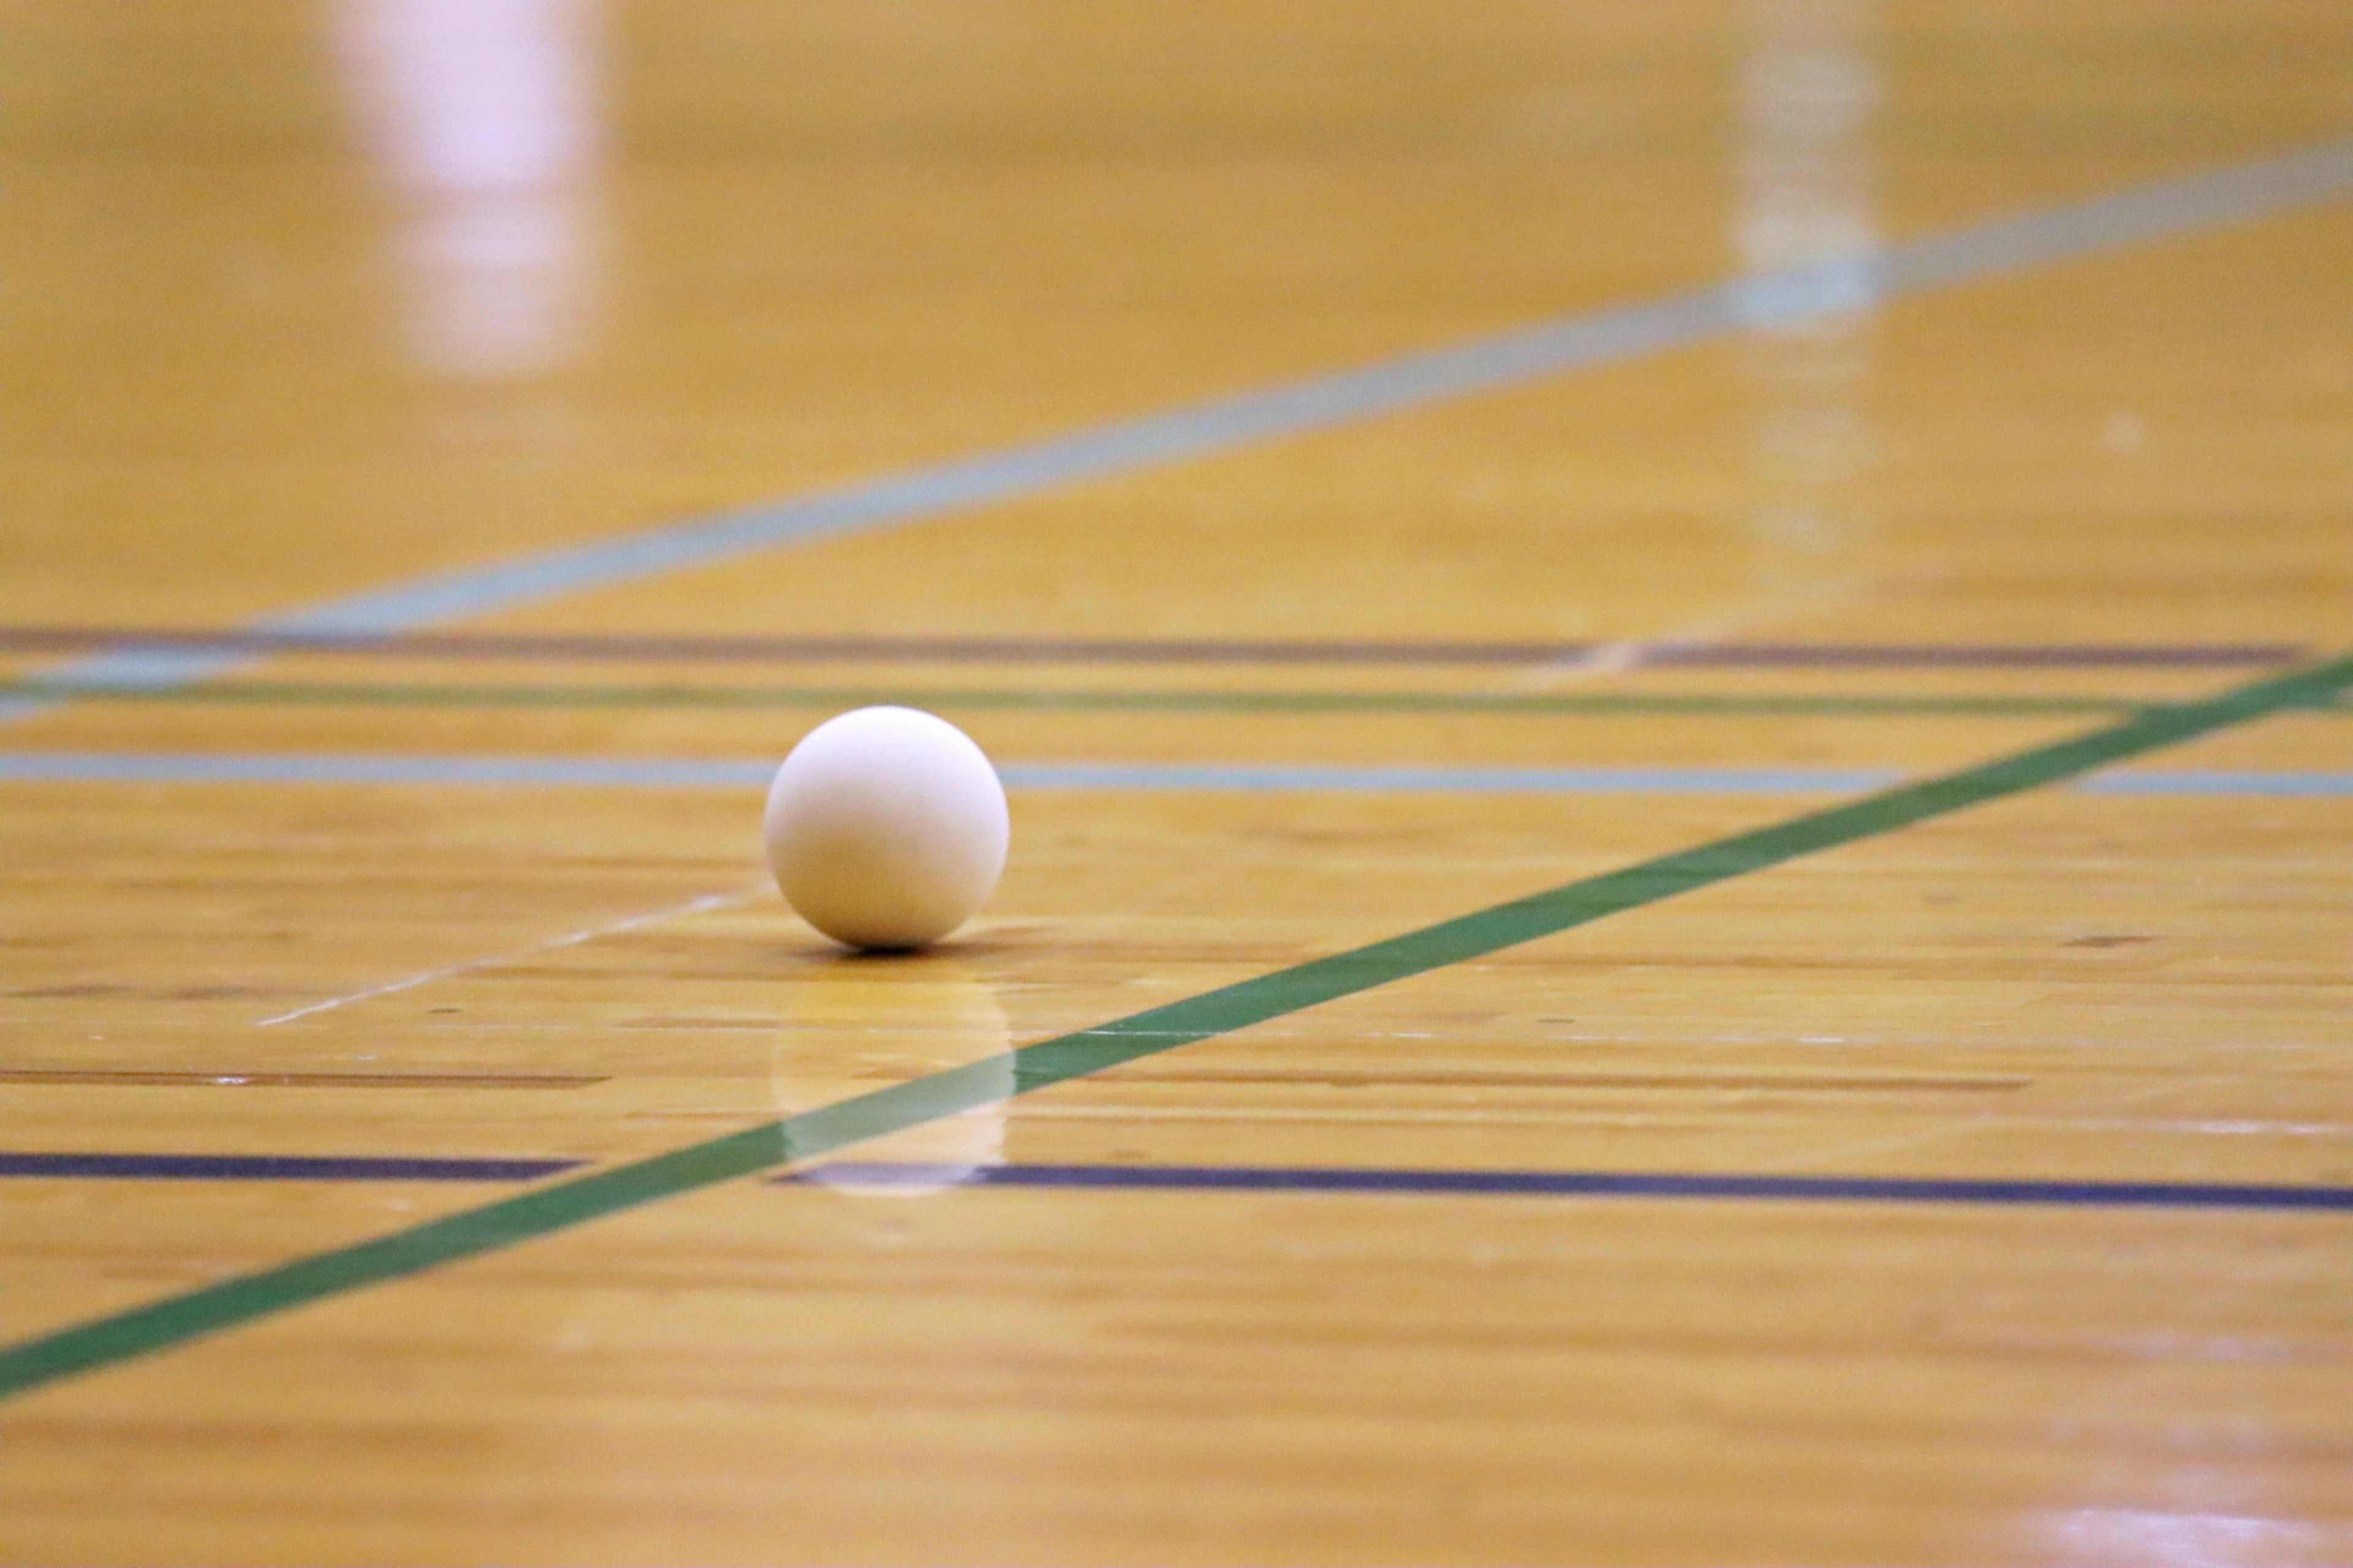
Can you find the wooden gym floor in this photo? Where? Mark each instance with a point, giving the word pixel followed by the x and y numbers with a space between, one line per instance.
pixel 1674 677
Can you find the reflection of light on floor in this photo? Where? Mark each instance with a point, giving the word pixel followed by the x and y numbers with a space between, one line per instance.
pixel 857 1024
pixel 2139 1538
pixel 1809 90
pixel 483 116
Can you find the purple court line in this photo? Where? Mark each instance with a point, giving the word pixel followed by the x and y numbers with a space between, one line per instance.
pixel 1586 1184
pixel 1100 650
pixel 1974 655
pixel 280 1168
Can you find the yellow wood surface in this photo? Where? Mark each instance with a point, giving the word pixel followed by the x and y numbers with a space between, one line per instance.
pixel 268 342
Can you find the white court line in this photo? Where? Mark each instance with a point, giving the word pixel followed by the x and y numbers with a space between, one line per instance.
pixel 1624 655
pixel 569 938
pixel 1762 612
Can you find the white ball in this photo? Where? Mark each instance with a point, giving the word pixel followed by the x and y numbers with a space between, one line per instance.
pixel 886 827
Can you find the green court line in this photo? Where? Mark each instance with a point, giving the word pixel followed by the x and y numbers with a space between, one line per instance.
pixel 296 693
pixel 177 1319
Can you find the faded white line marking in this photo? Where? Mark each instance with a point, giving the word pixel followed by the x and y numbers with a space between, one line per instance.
pixel 569 938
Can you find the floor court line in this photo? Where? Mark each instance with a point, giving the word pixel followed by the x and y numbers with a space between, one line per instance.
pixel 174 1320
pixel 278 1078
pixel 1051 700
pixel 278 1168
pixel 2185 205
pixel 569 647
pixel 554 943
pixel 1968 1191
pixel 1586 1184
pixel 1257 778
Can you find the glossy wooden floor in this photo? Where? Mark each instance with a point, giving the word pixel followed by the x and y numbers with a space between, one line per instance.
pixel 299 302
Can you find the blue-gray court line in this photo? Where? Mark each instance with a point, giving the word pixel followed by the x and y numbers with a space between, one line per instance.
pixel 296 768
pixel 1280 778
pixel 2217 782
pixel 2148 211
pixel 2000 1190
pixel 657 772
